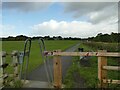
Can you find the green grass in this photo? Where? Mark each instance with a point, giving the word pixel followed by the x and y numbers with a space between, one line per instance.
pixel 102 45
pixel 69 80
pixel 35 56
pixel 90 74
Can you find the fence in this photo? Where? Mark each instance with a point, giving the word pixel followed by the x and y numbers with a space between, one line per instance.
pixel 102 65
pixel 15 64
pixel 3 65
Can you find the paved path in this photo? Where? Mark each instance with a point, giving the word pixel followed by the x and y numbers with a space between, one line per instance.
pixel 39 73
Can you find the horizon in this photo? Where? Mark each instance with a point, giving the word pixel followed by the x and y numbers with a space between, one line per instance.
pixel 60 36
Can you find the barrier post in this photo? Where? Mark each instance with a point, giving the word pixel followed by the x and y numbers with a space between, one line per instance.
pixel 102 74
pixel 15 65
pixel 1 71
pixel 2 63
pixel 57 71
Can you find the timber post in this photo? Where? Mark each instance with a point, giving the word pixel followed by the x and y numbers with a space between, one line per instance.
pixel 102 73
pixel 15 65
pixel 57 71
pixel 2 63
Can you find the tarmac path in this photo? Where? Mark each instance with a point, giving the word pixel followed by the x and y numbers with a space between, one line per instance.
pixel 39 74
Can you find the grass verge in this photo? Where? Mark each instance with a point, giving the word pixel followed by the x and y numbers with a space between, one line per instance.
pixel 90 74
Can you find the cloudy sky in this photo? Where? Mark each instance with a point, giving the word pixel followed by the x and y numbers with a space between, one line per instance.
pixel 67 19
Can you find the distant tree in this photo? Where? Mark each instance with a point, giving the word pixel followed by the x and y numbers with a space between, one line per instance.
pixel 47 37
pixel 11 38
pixel 36 38
pixel 90 38
pixel 59 38
pixel 113 37
pixel 21 38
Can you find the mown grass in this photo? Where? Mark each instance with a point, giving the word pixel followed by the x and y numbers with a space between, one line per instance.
pixel 35 56
pixel 90 74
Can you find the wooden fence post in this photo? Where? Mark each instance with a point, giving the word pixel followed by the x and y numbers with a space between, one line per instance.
pixel 15 65
pixel 57 71
pixel 2 62
pixel 102 74
pixel 1 72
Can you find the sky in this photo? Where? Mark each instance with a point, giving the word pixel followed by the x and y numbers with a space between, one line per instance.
pixel 66 19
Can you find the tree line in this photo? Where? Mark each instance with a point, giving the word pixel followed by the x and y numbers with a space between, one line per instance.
pixel 113 37
pixel 23 38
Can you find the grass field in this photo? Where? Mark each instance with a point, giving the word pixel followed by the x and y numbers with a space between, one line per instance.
pixel 35 57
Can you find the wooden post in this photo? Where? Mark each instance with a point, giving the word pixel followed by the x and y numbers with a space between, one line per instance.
pixel 1 72
pixel 57 72
pixel 2 62
pixel 102 74
pixel 15 64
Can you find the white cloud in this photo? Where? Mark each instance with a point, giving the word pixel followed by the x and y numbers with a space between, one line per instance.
pixel 73 28
pixel 95 11
pixel 7 30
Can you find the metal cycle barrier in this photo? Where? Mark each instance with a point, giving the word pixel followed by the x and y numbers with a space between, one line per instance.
pixel 18 59
pixel 22 58
pixel 46 61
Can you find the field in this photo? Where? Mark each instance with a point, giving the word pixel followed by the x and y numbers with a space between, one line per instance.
pixel 35 56
pixel 89 74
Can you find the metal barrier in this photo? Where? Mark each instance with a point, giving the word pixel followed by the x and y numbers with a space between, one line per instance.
pixel 22 58
pixel 45 60
pixel 18 59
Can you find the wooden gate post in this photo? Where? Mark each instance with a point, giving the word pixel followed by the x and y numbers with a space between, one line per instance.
pixel 57 71
pixel 102 74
